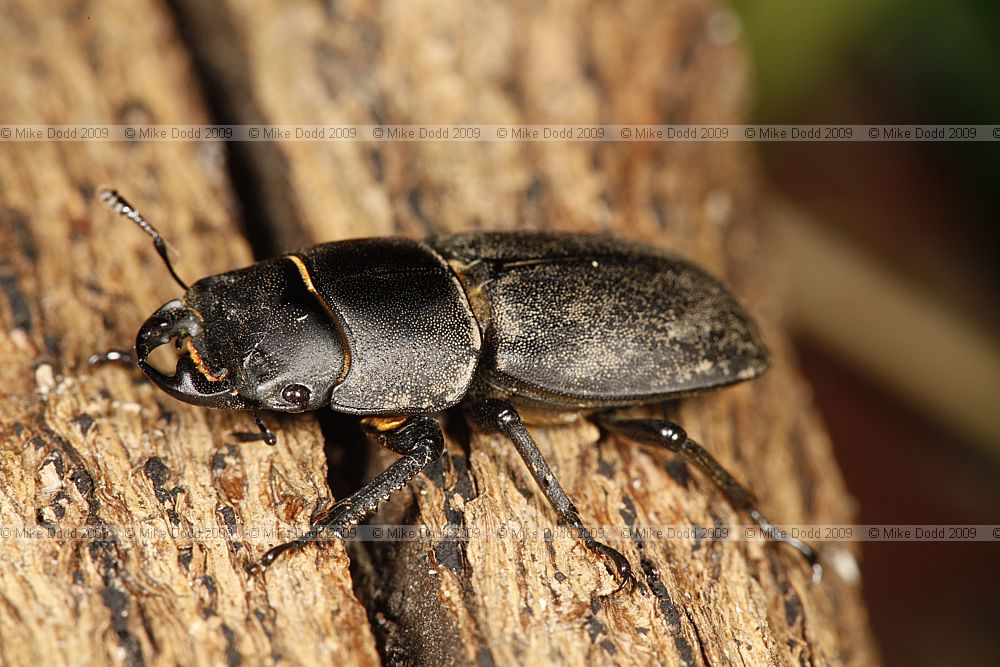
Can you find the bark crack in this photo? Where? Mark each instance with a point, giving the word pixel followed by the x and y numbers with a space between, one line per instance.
pixel 258 170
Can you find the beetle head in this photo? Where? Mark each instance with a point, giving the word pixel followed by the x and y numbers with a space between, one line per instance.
pixel 250 338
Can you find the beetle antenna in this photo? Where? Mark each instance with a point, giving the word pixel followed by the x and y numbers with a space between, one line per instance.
pixel 120 205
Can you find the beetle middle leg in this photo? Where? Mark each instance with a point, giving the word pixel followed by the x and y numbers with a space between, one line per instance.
pixel 418 439
pixel 499 415
pixel 672 437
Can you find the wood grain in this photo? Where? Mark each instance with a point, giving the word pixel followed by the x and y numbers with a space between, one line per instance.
pixel 104 448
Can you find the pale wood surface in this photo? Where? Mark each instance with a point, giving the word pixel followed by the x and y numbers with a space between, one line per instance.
pixel 102 447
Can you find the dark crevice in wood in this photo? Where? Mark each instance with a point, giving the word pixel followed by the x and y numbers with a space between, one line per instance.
pixel 697 636
pixel 365 573
pixel 257 169
pixel 420 627
pixel 348 452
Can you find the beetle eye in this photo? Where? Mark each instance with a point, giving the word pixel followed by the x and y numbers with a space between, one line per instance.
pixel 296 394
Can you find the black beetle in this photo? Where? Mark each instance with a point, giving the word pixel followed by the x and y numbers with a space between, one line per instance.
pixel 394 330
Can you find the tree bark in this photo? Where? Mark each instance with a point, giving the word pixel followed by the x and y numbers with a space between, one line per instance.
pixel 102 448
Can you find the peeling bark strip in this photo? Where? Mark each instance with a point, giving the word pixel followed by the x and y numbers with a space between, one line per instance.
pixel 102 448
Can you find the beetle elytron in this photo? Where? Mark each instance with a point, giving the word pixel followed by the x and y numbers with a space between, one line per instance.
pixel 394 330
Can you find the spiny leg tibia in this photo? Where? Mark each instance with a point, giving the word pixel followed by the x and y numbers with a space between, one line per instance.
pixel 418 439
pixel 500 416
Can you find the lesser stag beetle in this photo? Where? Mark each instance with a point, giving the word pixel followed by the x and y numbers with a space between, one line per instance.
pixel 394 330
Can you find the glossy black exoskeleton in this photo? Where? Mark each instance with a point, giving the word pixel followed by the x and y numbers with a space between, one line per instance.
pixel 394 330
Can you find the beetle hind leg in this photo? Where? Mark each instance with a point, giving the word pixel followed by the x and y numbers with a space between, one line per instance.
pixel 418 439
pixel 498 415
pixel 672 437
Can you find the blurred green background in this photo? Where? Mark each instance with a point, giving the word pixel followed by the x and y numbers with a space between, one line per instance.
pixel 908 385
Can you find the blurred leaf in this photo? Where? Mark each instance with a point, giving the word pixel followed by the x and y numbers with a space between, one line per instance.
pixel 797 44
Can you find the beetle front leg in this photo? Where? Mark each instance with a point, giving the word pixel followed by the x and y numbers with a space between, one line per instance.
pixel 672 437
pixel 264 434
pixel 418 439
pixel 499 415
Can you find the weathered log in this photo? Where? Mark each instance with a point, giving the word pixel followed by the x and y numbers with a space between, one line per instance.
pixel 103 448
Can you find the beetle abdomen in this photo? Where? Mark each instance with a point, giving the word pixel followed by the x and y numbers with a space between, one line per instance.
pixel 581 321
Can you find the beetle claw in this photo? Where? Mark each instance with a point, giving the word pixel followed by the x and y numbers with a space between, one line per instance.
pixel 807 552
pixel 260 566
pixel 618 566
pixel 627 579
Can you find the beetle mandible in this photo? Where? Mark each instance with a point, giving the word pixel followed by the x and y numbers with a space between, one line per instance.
pixel 394 330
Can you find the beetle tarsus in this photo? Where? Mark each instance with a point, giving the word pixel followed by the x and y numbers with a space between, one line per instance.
pixel 260 566
pixel 621 568
pixel 502 416
pixel 672 437
pixel 268 438
pixel 266 434
pixel 810 555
